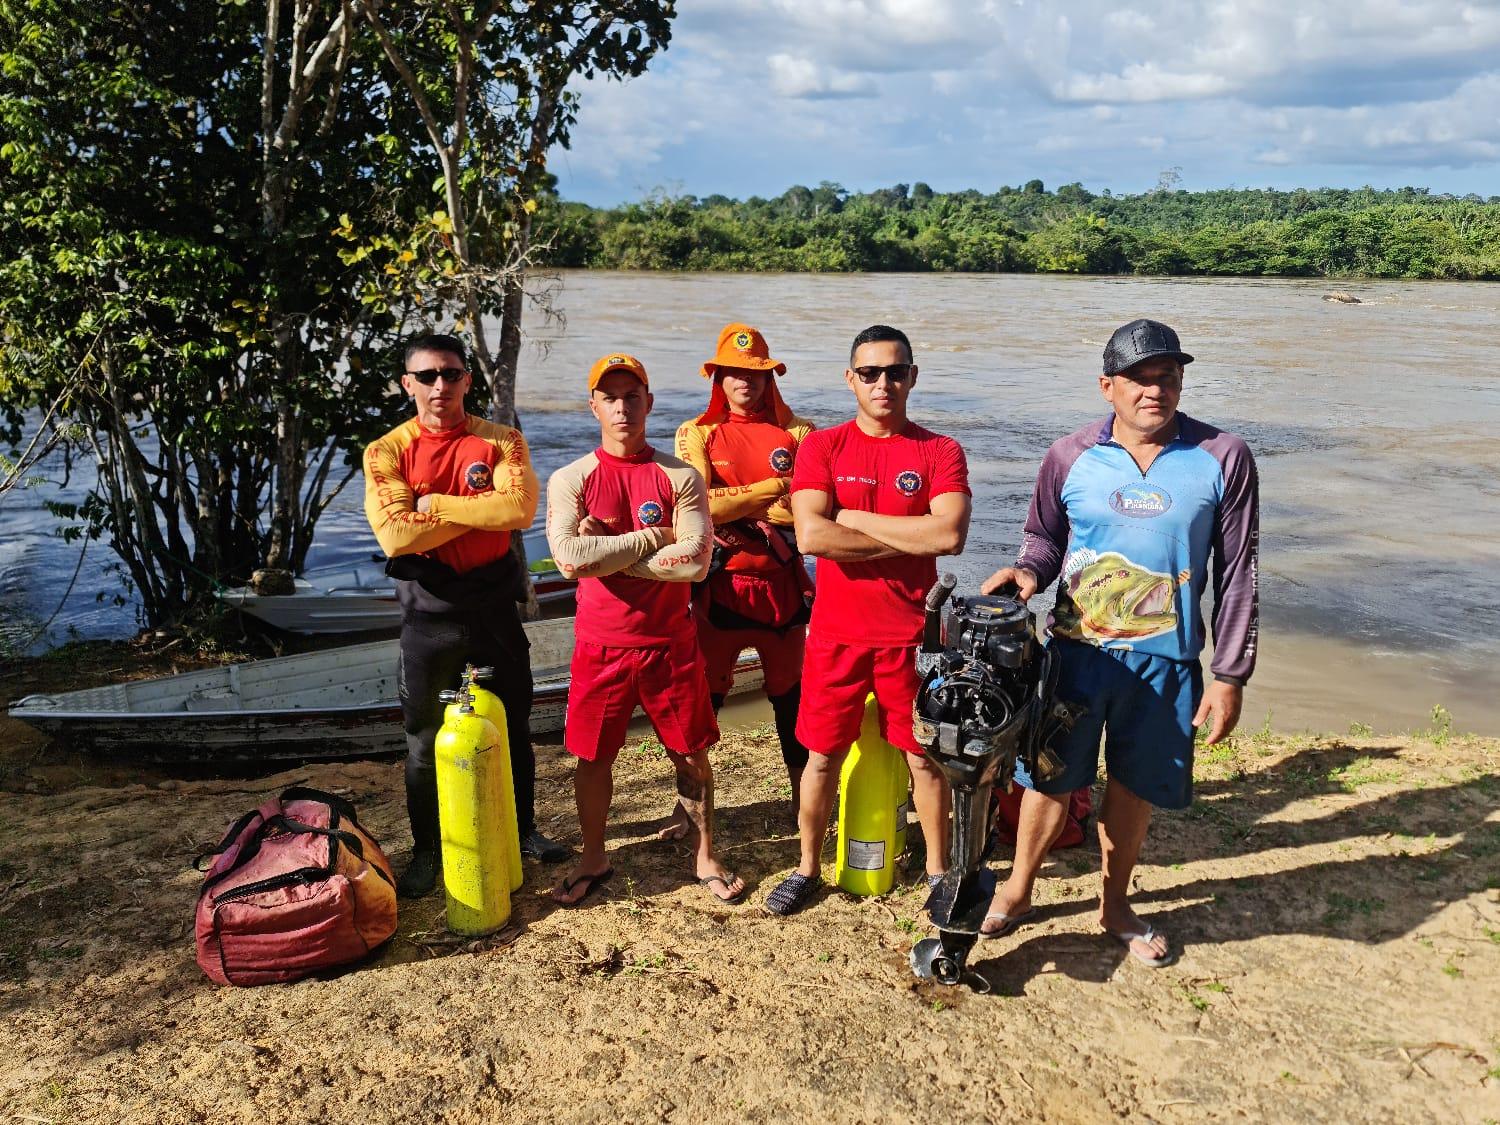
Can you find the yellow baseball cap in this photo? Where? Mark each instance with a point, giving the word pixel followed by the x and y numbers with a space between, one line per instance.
pixel 617 361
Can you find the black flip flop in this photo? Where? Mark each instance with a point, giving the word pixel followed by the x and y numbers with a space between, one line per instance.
pixel 594 883
pixel 793 893
pixel 709 880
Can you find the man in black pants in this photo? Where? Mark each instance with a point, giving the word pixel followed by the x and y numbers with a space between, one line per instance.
pixel 443 493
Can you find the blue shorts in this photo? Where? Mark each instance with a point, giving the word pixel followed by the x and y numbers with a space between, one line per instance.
pixel 1143 705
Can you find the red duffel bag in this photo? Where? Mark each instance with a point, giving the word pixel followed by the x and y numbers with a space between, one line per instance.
pixel 297 886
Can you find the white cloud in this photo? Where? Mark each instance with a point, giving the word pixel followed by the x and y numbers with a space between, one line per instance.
pixel 794 77
pixel 1183 50
pixel 1456 131
pixel 755 95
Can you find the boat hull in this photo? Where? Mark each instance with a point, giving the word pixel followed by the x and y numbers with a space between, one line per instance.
pixel 336 703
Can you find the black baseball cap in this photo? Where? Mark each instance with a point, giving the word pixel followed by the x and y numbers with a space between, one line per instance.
pixel 1141 340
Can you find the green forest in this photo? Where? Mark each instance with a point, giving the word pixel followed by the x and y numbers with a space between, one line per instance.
pixel 1328 232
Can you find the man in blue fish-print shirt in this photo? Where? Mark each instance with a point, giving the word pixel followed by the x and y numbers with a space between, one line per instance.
pixel 1125 516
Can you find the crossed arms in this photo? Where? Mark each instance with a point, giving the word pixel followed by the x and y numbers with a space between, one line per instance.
pixel 583 547
pixel 847 535
pixel 764 500
pixel 406 524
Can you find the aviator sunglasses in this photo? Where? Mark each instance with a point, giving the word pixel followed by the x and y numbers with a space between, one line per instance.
pixel 894 372
pixel 430 375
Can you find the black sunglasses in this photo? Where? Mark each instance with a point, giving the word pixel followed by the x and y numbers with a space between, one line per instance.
pixel 430 376
pixel 894 372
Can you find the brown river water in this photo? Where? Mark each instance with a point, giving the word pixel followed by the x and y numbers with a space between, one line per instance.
pixel 1375 428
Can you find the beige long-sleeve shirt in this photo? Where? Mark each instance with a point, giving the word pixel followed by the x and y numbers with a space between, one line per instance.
pixel 633 584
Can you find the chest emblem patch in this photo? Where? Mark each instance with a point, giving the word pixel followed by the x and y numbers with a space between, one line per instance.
pixel 649 513
pixel 1140 501
pixel 909 482
pixel 781 459
pixel 477 477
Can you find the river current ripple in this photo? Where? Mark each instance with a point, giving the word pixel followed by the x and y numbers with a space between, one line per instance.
pixel 1373 426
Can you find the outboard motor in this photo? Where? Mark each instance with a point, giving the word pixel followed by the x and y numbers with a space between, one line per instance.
pixel 987 699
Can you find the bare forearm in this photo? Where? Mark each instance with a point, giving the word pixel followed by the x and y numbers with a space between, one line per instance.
pixel 924 536
pixel 824 539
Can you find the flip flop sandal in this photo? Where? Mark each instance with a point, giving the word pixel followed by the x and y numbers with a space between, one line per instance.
pixel 1009 923
pixel 594 883
pixel 1150 962
pixel 792 893
pixel 709 880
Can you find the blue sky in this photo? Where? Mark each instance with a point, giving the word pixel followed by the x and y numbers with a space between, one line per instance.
pixel 756 95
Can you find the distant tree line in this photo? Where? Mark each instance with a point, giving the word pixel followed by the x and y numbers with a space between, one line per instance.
pixel 1329 232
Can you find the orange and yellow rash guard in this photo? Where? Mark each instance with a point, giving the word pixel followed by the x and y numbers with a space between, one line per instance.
pixel 633 584
pixel 481 482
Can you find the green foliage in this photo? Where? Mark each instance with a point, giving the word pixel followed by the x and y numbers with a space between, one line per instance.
pixel 1324 233
pixel 217 221
pixel 1442 725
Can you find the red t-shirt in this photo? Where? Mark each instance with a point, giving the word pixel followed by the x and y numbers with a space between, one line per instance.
pixel 640 595
pixel 877 603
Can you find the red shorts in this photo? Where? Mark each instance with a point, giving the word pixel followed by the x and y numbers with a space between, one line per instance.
pixel 665 681
pixel 780 655
pixel 837 677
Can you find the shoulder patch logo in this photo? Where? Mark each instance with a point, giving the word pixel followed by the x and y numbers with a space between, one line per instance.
pixel 478 477
pixel 742 341
pixel 1141 501
pixel 650 513
pixel 909 482
pixel 781 459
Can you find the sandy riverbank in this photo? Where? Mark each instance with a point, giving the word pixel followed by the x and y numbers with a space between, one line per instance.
pixel 1338 900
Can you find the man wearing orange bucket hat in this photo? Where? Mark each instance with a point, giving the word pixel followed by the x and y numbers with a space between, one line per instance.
pixel 632 525
pixel 757 592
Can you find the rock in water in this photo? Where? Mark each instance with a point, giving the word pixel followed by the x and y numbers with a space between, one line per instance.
pixel 1341 297
pixel 269 582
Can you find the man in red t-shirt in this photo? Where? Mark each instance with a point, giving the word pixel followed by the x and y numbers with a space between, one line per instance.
pixel 632 525
pixel 876 501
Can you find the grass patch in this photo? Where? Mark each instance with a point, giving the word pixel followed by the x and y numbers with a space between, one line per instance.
pixel 1441 729
pixel 1343 908
pixel 1361 771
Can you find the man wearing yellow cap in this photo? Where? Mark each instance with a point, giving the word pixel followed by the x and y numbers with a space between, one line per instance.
pixel 745 446
pixel 632 525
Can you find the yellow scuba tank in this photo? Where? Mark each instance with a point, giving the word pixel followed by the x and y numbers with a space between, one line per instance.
pixel 874 774
pixel 901 797
pixel 476 876
pixel 488 704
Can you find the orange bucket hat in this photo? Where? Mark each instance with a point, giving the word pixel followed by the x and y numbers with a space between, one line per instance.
pixel 744 347
pixel 617 361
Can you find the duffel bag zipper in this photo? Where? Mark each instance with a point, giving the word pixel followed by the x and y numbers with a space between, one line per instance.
pixel 304 876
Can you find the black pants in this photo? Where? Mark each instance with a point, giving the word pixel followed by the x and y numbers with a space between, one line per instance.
pixel 434 651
